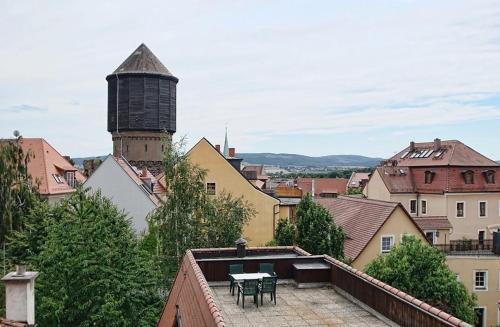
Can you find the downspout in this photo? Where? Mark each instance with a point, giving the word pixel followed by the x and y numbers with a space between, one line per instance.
pixel 117 113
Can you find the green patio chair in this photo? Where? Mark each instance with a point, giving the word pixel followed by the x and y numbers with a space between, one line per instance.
pixel 267 268
pixel 234 269
pixel 268 285
pixel 248 287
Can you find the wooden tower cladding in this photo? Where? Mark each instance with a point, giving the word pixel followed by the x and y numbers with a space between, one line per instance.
pixel 141 108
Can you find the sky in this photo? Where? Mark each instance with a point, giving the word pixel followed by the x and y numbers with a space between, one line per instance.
pixel 306 77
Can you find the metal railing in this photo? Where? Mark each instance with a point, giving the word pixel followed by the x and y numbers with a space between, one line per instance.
pixel 468 247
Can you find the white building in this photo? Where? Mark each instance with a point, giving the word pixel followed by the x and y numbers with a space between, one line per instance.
pixel 131 190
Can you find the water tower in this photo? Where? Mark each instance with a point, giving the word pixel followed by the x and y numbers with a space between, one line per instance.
pixel 141 108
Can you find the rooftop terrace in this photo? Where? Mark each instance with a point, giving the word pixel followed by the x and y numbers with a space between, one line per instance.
pixel 345 297
pixel 295 307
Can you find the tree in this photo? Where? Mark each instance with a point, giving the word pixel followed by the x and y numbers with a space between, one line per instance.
pixel 354 191
pixel 285 233
pixel 180 217
pixel 92 271
pixel 224 219
pixel 316 230
pixel 421 271
pixel 17 192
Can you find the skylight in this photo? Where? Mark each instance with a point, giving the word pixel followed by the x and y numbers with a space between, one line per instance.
pixel 404 154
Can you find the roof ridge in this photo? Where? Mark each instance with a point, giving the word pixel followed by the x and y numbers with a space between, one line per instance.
pixel 374 201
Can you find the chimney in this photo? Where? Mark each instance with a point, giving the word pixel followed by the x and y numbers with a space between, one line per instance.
pixel 20 295
pixel 232 152
pixel 312 187
pixel 217 147
pixel 412 146
pixel 437 144
pixel 241 250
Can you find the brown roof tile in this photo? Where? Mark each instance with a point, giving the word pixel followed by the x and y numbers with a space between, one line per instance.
pixel 359 218
pixel 432 222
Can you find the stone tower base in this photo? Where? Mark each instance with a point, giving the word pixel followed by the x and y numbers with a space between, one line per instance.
pixel 141 148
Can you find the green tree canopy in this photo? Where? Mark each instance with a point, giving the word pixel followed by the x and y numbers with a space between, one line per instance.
pixel 316 230
pixel 17 192
pixel 421 271
pixel 190 218
pixel 285 233
pixel 92 271
pixel 224 218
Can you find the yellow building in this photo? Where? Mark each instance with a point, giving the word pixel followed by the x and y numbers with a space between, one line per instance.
pixel 372 227
pixel 223 174
pixel 480 273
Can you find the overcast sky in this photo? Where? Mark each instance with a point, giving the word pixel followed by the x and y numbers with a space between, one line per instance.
pixel 307 77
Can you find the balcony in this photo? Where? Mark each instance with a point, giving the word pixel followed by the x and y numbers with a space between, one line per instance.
pixel 468 247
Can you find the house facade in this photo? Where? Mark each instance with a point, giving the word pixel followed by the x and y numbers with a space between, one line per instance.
pixel 130 189
pixel 224 175
pixel 372 227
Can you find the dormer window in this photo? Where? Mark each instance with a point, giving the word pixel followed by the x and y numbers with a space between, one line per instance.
pixel 489 176
pixel 429 176
pixel 70 178
pixel 468 177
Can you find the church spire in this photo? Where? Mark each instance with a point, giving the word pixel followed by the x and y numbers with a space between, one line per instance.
pixel 226 146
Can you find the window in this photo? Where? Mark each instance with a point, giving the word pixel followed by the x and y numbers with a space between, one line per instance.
pixel 468 177
pixel 431 235
pixel 489 176
pixel 58 178
pixel 460 210
pixel 413 206
pixel 386 243
pixel 429 176
pixel 145 148
pixel 480 236
pixel 480 316
pixel 423 207
pixel 211 188
pixel 481 280
pixel 70 178
pixel 483 205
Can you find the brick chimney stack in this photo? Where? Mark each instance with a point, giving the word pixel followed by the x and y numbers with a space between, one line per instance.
pixel 217 147
pixel 232 152
pixel 412 146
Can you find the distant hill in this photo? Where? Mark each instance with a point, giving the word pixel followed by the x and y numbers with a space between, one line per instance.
pixel 286 159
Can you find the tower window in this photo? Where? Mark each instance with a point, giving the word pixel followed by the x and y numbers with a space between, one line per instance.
pixel 145 148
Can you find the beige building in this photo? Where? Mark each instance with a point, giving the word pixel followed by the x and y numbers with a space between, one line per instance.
pixel 223 174
pixel 372 227
pixel 442 180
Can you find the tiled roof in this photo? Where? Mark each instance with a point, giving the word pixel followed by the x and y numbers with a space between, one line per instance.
pixel 359 218
pixel 323 185
pixel 400 179
pixel 450 153
pixel 433 222
pixel 357 178
pixel 45 162
pixel 191 292
pixel 136 175
pixel 142 60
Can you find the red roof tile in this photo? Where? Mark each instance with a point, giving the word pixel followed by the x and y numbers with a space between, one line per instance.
pixel 45 162
pixel 323 185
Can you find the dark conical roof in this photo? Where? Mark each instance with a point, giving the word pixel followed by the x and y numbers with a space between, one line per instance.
pixel 142 60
